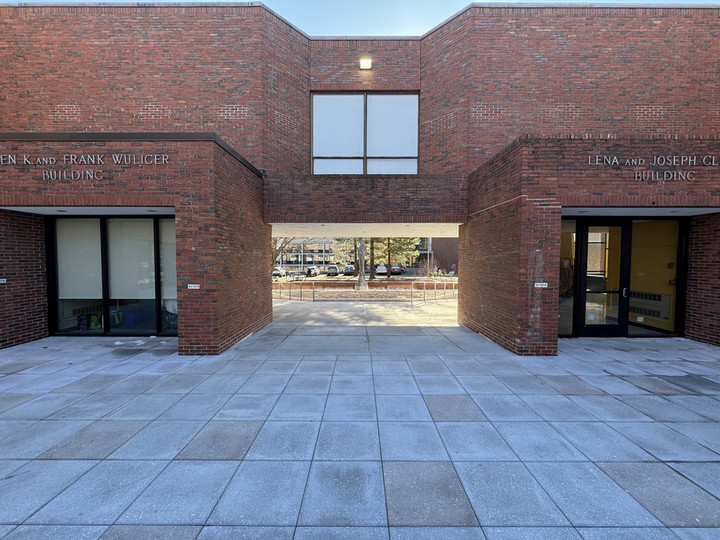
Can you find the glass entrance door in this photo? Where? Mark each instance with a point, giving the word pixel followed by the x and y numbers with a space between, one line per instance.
pixel 625 278
pixel 604 280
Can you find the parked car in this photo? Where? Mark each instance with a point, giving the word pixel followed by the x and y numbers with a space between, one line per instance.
pixel 381 270
pixel 349 270
pixel 333 270
pixel 278 271
pixel 312 271
pixel 397 270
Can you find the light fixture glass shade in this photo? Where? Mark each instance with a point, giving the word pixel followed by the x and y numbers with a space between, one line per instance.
pixel 366 63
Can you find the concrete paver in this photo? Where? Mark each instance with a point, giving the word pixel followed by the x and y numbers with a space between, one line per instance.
pixel 360 420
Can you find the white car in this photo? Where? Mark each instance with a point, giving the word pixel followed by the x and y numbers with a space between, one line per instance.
pixel 278 271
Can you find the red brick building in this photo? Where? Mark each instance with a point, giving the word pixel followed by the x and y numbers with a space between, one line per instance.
pixel 149 152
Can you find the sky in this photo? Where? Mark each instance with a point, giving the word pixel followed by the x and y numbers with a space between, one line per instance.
pixel 384 17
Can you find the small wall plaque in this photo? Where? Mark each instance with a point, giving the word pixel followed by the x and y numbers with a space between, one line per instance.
pixel 194 286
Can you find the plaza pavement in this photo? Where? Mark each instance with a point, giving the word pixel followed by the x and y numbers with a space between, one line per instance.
pixel 372 421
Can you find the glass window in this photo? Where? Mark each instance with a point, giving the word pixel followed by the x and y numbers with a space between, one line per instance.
pixel 365 133
pixel 168 276
pixel 392 125
pixel 79 276
pixel 131 272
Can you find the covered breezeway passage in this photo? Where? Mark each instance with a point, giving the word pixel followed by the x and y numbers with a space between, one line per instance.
pixel 388 426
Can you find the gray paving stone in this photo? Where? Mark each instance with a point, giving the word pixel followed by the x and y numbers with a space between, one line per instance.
pixel 703 405
pixel 506 494
pixel 588 498
pixel 526 384
pixel 482 384
pixel 341 533
pixel 438 384
pixel 308 384
pixel 474 441
pixel 96 441
pixel 162 439
pixel 353 368
pixel 697 384
pixel 27 439
pixel 133 384
pixel 629 533
pixel 395 384
pixel 151 532
pixel 89 384
pixel 697 534
pixel 93 407
pixel 352 384
pixel 661 409
pixel 177 384
pixel 436 533
pixel 670 497
pixel 195 407
pixel 299 407
pixel 704 433
pixel 144 407
pixel 613 385
pixel 56 532
pixel 570 385
pixel 222 440
pixel 610 409
pixel 40 407
pixel 246 533
pixel 453 408
pixel 426 494
pixel 345 493
pixel 247 407
pixel 348 441
pixel 101 495
pixel 507 408
pixel 663 443
pixel 556 407
pixel 433 366
pixel 398 367
pixel 402 408
pixel 350 407
pixel 264 384
pixel 599 442
pixel 33 485
pixel 324 367
pixel 531 533
pixel 285 441
pixel 411 441
pixel 221 383
pixel 183 494
pixel 705 475
pixel 658 385
pixel 538 441
pixel 278 366
pixel 263 493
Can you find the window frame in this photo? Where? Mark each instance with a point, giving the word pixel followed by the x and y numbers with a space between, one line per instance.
pixel 365 158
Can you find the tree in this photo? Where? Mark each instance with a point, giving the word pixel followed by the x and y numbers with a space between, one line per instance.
pixel 279 245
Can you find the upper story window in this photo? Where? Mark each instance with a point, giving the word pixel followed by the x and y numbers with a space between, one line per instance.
pixel 365 133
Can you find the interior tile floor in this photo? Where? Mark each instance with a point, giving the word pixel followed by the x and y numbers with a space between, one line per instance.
pixel 358 420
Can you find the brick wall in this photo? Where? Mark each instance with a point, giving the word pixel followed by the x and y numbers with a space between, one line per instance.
pixel 485 77
pixel 703 291
pixel 512 236
pixel 23 298
pixel 218 216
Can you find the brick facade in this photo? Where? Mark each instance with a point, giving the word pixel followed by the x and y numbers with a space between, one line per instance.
pixel 221 237
pixel 512 237
pixel 23 297
pixel 581 81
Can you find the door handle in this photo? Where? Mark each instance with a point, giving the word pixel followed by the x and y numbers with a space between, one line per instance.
pixel 625 292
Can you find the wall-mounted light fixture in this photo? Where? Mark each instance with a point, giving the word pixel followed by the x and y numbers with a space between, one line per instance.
pixel 366 63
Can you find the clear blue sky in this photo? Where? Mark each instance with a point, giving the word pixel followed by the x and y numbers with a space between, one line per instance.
pixel 384 17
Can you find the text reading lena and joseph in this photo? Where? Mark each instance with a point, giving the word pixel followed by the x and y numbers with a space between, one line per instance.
pixel 670 168
pixel 81 166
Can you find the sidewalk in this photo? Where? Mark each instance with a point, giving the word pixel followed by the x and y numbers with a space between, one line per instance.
pixel 344 420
